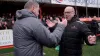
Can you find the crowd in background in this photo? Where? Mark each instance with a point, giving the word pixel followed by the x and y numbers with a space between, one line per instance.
pixel 6 21
pixel 92 25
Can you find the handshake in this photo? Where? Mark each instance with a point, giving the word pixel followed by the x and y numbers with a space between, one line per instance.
pixel 51 24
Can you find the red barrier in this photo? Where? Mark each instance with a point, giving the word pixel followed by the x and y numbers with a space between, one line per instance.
pixel 88 19
pixel 5 47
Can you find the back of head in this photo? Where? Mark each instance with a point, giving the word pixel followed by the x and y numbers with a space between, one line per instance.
pixel 30 9
pixel 30 4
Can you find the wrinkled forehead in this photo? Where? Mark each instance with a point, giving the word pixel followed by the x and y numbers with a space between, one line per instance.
pixel 69 9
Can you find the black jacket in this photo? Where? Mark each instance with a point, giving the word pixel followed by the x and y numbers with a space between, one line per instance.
pixel 74 35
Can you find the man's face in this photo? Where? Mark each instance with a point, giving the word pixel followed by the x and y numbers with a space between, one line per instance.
pixel 69 13
pixel 36 10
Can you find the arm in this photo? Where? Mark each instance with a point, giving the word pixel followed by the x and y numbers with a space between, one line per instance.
pixel 43 35
pixel 88 35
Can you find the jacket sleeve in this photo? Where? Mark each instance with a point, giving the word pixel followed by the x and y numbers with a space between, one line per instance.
pixel 45 37
pixel 85 33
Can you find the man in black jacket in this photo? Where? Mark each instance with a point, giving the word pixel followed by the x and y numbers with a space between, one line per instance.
pixel 75 33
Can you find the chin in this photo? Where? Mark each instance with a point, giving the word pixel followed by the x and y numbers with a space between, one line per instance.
pixel 68 19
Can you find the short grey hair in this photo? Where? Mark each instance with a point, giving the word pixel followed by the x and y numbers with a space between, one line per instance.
pixel 30 3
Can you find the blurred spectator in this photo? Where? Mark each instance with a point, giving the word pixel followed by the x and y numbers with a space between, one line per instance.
pixel 94 25
pixel 6 21
pixel 3 18
pixel 0 26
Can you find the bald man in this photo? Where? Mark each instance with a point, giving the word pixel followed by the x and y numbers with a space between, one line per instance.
pixel 75 33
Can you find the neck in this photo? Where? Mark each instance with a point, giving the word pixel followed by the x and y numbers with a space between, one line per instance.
pixel 31 10
pixel 72 20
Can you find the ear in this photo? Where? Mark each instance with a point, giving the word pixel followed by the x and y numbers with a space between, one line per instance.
pixel 32 8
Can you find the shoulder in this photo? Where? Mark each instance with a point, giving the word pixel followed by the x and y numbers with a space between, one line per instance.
pixel 81 23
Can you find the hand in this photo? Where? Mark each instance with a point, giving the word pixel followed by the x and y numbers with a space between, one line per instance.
pixel 49 23
pixel 57 19
pixel 64 21
pixel 92 39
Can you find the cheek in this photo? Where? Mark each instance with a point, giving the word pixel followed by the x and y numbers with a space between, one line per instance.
pixel 37 12
pixel 71 15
